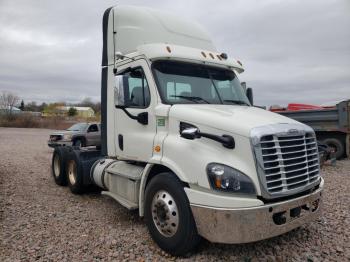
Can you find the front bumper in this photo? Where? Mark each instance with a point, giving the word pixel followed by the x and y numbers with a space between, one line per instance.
pixel 59 143
pixel 245 225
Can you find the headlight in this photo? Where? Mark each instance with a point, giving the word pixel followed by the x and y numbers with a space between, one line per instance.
pixel 228 179
pixel 67 137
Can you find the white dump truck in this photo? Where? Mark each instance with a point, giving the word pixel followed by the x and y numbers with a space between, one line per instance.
pixel 182 142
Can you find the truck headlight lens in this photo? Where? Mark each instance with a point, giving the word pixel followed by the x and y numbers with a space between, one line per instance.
pixel 228 179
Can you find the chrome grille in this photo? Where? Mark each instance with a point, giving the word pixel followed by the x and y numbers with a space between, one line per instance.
pixel 55 137
pixel 289 162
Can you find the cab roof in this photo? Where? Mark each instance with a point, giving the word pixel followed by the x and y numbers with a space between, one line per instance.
pixel 144 31
pixel 135 26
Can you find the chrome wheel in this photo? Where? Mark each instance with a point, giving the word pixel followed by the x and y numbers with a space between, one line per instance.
pixel 72 172
pixel 165 213
pixel 56 165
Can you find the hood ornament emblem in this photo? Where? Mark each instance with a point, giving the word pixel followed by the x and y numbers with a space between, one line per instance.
pixel 293 131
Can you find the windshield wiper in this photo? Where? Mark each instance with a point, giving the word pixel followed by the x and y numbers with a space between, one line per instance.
pixel 237 102
pixel 192 98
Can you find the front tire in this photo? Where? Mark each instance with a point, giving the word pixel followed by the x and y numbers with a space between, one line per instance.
pixel 168 215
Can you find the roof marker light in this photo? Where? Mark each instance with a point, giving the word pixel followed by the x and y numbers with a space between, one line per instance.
pixel 239 62
pixel 211 55
pixel 223 56
pixel 219 57
pixel 203 54
pixel 168 49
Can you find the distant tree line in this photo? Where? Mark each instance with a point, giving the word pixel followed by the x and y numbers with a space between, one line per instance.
pixel 10 100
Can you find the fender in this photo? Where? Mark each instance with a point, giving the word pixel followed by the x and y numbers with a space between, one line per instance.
pixel 145 174
pixel 144 177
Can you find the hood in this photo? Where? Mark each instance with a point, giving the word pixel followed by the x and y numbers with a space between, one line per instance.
pixel 230 118
pixel 63 132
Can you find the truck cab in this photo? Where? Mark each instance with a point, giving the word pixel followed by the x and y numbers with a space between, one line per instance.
pixel 183 143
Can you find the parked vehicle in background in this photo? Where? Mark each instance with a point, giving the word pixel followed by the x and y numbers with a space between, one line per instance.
pixel 326 153
pixel 80 134
pixel 331 124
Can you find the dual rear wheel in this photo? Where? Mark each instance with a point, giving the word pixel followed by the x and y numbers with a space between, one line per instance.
pixel 58 166
pixel 168 214
pixel 66 170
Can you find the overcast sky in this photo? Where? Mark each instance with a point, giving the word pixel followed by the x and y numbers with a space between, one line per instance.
pixel 292 51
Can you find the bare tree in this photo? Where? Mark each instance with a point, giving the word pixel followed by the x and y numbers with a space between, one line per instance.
pixel 7 101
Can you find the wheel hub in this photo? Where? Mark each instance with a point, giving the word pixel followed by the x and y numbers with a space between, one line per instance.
pixel 72 172
pixel 165 213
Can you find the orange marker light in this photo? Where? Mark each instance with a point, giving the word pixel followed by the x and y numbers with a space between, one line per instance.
pixel 157 149
pixel 218 183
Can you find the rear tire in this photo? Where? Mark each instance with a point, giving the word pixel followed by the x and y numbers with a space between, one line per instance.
pixel 168 215
pixel 337 145
pixel 75 174
pixel 58 166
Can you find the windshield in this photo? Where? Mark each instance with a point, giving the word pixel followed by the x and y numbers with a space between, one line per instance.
pixel 78 127
pixel 183 83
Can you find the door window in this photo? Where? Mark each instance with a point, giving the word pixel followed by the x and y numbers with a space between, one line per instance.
pixel 93 128
pixel 138 94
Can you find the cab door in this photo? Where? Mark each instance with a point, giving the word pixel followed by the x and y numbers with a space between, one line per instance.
pixel 134 140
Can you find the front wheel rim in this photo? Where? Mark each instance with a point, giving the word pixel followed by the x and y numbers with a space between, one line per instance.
pixel 165 213
pixel 72 172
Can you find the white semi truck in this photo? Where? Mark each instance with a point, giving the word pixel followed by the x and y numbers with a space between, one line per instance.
pixel 183 143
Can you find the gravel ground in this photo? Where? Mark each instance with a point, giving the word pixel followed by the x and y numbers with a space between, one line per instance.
pixel 45 222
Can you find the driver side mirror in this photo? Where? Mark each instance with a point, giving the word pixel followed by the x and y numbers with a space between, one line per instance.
pixel 120 99
pixel 249 93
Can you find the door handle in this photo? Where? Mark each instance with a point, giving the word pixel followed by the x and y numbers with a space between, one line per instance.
pixel 121 142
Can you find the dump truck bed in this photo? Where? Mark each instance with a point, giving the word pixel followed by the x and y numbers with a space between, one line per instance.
pixel 327 122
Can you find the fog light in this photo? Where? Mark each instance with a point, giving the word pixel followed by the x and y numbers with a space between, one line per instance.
pixel 295 212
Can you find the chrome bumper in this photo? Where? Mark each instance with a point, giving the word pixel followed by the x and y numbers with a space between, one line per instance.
pixel 59 143
pixel 253 224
